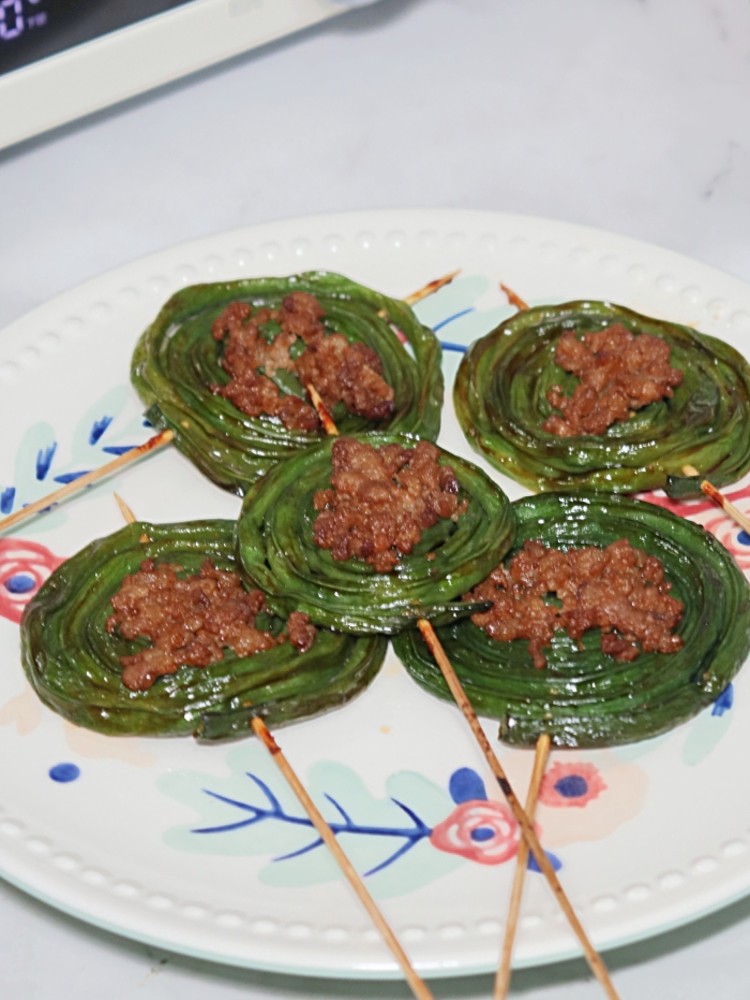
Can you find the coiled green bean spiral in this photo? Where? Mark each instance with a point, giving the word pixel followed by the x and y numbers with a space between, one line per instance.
pixel 176 361
pixel 74 663
pixel 501 403
pixel 583 697
pixel 278 552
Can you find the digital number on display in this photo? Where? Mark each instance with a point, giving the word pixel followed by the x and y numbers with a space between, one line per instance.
pixel 18 16
pixel 31 30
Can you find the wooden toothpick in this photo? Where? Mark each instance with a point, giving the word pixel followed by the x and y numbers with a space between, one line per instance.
pixel 155 443
pixel 128 516
pixel 527 830
pixel 513 298
pixel 430 288
pixel 418 986
pixel 127 512
pixel 77 485
pixel 327 422
pixel 726 505
pixel 502 979
pixel 530 838
pixel 709 490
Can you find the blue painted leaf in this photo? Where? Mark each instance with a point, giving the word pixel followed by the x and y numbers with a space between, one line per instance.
pixel 553 860
pixel 466 786
pixel 98 428
pixel 44 460
pixel 69 477
pixel 114 449
pixel 724 702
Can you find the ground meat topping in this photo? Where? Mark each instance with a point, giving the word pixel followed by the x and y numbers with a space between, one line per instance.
pixel 191 620
pixel 382 499
pixel 618 589
pixel 264 347
pixel 619 372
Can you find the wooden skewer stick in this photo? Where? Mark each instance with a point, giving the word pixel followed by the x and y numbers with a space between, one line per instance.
pixel 527 830
pixel 128 516
pixel 502 979
pixel 726 505
pixel 329 425
pixel 530 839
pixel 155 443
pixel 513 298
pixel 430 288
pixel 718 498
pixel 418 986
pixel 76 485
pixel 127 512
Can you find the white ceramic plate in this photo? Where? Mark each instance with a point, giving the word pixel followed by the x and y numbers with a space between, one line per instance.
pixel 647 836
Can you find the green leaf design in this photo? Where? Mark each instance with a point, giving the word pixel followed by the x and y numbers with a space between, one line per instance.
pixel 583 697
pixel 278 553
pixel 501 403
pixel 177 360
pixel 74 664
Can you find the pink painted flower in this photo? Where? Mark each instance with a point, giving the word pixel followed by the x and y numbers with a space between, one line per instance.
pixel 24 566
pixel 566 785
pixel 480 830
pixel 694 508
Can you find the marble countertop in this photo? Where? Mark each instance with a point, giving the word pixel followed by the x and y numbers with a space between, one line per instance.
pixel 630 117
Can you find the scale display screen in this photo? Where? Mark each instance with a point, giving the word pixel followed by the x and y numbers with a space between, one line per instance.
pixel 35 29
pixel 64 59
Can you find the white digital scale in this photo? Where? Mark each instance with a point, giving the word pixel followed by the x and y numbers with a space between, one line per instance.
pixel 62 59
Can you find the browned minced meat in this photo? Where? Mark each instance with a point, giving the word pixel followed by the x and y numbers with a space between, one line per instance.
pixel 382 499
pixel 619 589
pixel 340 371
pixel 191 620
pixel 619 372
